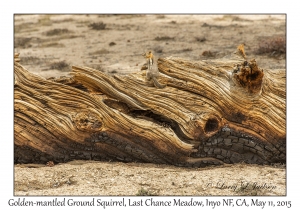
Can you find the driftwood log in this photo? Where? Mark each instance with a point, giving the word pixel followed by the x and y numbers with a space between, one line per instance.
pixel 211 112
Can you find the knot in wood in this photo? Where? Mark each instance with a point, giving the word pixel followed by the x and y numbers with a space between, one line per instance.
pixel 87 121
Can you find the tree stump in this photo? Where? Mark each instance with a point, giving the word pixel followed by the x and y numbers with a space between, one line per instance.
pixel 211 112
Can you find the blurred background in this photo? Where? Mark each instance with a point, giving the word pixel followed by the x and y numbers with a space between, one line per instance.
pixel 50 44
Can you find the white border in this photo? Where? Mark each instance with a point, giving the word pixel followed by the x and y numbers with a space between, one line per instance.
pixel 8 8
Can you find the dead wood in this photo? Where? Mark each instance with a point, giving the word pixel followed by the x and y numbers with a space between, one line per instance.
pixel 210 112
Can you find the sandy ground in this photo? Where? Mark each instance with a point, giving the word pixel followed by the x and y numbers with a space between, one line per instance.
pixel 114 178
pixel 50 44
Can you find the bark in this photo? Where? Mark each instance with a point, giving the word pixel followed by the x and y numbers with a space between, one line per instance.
pixel 210 112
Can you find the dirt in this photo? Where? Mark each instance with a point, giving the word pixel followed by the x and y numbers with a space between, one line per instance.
pixel 50 44
pixel 114 178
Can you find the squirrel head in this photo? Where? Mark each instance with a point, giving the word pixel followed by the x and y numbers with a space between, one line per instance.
pixel 148 54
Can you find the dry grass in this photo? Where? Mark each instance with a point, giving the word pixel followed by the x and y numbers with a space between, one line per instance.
pixel 97 26
pixel 57 31
pixel 231 18
pixel 132 27
pixel 59 38
pixel 163 38
pixel 51 44
pixel 63 20
pixel 60 65
pixel 272 46
pixel 22 42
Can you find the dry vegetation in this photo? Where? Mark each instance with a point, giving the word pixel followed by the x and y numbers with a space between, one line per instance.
pixel 272 46
pixel 61 66
pixel 57 31
pixel 98 26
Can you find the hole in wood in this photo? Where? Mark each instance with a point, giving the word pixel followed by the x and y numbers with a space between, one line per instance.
pixel 211 125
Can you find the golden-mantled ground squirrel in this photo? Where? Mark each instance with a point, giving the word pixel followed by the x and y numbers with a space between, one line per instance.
pixel 152 71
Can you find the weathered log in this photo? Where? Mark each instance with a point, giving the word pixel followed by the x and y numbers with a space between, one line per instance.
pixel 211 112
